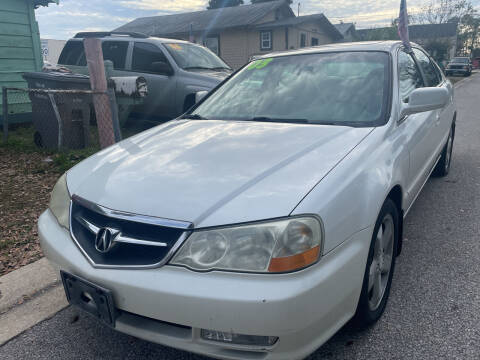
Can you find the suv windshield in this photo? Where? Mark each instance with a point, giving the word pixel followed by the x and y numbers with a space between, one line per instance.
pixel 460 60
pixel 195 57
pixel 344 88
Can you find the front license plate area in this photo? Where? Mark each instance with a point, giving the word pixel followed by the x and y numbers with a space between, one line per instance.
pixel 89 297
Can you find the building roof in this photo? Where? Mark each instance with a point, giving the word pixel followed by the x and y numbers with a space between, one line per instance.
pixel 207 20
pixel 38 3
pixel 298 20
pixel 343 28
pixel 427 31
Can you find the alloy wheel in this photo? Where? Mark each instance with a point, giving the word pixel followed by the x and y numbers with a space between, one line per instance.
pixel 380 268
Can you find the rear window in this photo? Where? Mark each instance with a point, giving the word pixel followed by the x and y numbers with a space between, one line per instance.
pixel 116 52
pixel 460 60
pixel 74 54
pixel 71 53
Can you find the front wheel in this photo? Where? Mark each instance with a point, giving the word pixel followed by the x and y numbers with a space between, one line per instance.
pixel 380 265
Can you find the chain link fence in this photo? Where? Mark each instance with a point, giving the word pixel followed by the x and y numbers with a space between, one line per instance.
pixel 64 119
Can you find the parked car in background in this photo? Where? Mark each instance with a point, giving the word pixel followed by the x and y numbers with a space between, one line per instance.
pixel 271 213
pixel 175 70
pixel 459 66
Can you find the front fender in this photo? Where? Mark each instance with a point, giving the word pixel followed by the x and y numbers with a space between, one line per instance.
pixel 350 197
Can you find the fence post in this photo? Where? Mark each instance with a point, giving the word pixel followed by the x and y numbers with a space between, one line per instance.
pixel 59 120
pixel 98 81
pixel 5 113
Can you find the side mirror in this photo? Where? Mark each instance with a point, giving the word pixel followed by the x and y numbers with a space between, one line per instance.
pixel 200 95
pixel 425 99
pixel 160 67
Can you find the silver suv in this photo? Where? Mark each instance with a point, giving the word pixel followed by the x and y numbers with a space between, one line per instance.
pixel 175 70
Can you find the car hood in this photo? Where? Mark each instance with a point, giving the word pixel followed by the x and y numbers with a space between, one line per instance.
pixel 208 75
pixel 213 172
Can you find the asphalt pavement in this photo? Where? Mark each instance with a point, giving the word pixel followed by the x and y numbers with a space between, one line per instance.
pixel 434 306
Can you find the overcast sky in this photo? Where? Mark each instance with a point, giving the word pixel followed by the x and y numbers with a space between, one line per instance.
pixel 64 20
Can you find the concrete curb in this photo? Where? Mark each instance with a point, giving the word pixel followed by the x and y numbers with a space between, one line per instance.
pixel 28 296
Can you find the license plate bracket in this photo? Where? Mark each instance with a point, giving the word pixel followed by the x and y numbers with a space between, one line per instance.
pixel 90 297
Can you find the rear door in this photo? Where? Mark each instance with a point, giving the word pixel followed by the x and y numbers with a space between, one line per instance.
pixel 160 102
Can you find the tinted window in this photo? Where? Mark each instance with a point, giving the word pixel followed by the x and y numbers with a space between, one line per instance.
pixel 428 68
pixel 409 76
pixel 461 60
pixel 345 88
pixel 71 52
pixel 116 52
pixel 144 57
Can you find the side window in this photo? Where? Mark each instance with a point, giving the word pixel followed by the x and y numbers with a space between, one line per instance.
pixel 116 52
pixel 266 40
pixel 428 68
pixel 70 53
pixel 409 76
pixel 147 58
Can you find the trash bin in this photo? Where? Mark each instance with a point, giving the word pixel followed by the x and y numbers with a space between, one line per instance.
pixel 65 121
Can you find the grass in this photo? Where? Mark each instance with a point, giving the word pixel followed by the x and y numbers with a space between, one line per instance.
pixel 20 140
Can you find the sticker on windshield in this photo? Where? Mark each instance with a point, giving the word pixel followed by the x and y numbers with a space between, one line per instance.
pixel 175 47
pixel 260 64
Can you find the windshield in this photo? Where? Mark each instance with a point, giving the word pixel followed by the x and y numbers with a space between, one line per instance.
pixel 460 60
pixel 344 88
pixel 192 57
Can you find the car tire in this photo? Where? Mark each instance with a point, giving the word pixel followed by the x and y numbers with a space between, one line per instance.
pixel 443 165
pixel 377 279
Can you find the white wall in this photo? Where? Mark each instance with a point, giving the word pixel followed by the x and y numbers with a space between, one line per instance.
pixel 51 50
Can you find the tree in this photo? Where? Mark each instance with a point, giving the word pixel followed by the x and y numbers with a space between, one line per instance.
pixel 444 11
pixel 216 4
pixel 262 1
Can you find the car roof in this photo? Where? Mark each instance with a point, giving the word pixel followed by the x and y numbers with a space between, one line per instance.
pixel 138 39
pixel 385 46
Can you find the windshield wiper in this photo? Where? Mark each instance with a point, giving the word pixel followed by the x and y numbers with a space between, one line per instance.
pixel 222 68
pixel 194 117
pixel 278 120
pixel 197 68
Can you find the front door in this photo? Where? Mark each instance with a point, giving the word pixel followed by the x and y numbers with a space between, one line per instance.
pixel 160 102
pixel 419 128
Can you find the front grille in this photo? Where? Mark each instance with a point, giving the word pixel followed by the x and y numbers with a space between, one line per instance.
pixel 456 67
pixel 132 253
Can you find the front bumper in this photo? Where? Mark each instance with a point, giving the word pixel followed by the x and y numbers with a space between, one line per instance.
pixel 170 305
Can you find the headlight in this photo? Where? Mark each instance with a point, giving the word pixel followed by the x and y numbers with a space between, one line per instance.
pixel 60 202
pixel 276 246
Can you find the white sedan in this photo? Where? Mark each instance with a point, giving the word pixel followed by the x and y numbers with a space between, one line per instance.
pixel 257 224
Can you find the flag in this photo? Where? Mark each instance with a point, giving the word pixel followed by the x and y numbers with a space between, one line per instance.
pixel 403 26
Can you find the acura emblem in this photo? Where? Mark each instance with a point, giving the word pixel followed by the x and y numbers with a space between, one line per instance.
pixel 105 239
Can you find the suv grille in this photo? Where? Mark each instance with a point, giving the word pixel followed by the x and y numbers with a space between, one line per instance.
pixel 132 241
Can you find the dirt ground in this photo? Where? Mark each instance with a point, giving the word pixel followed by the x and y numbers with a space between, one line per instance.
pixel 26 180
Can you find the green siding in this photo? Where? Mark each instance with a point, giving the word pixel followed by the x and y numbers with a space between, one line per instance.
pixel 20 49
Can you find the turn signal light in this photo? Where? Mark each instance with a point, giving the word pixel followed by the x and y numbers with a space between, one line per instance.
pixel 294 262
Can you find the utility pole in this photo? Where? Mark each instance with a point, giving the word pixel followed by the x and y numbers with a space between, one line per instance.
pixel 298 9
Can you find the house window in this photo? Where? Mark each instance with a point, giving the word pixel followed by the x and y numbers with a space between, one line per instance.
pixel 303 40
pixel 213 43
pixel 314 41
pixel 266 40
